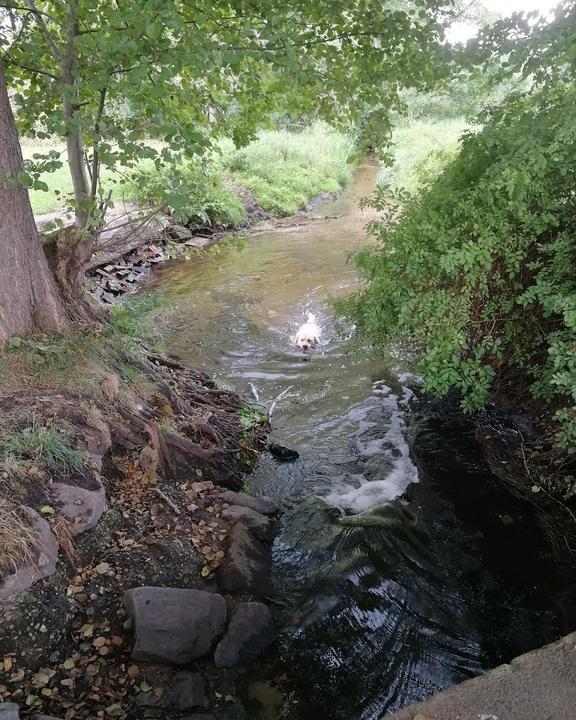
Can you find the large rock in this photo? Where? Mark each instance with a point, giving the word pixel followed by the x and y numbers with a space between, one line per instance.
pixel 172 625
pixel 263 527
pixel 82 508
pixel 185 691
pixel 247 566
pixel 260 505
pixel 9 711
pixel 43 565
pixel 250 632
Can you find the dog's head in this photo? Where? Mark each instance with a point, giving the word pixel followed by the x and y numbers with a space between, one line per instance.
pixel 304 342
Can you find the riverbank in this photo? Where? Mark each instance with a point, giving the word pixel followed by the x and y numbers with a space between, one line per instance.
pixel 120 477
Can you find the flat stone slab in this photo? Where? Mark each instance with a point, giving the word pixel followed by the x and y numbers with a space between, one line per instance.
pixel 261 525
pixel 82 508
pixel 43 565
pixel 540 685
pixel 259 504
pixel 173 625
pixel 250 632
pixel 247 566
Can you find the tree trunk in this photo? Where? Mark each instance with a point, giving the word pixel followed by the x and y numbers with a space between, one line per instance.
pixel 29 298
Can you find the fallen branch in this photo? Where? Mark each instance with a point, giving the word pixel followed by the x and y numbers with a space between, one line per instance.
pixel 275 401
pixel 167 500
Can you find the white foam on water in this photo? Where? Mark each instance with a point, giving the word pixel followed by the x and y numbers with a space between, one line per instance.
pixel 356 493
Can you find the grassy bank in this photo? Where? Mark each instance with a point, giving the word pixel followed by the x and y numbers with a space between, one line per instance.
pixel 282 170
pixel 422 147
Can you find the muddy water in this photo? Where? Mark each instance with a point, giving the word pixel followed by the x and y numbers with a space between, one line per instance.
pixel 402 566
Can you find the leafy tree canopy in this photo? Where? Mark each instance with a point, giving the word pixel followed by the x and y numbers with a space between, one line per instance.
pixel 185 72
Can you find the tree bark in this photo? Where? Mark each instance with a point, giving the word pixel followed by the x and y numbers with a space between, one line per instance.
pixel 29 299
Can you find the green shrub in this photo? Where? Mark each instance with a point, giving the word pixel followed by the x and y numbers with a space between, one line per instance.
pixel 196 194
pixel 479 270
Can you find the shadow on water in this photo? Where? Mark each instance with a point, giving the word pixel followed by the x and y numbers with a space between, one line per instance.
pixel 403 566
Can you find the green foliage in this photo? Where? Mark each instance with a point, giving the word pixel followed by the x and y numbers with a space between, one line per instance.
pixel 421 149
pixel 195 194
pixel 134 320
pixel 42 445
pixel 479 270
pixel 114 75
pixel 251 416
pixel 285 169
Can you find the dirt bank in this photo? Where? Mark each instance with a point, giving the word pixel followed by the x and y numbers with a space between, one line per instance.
pixel 120 477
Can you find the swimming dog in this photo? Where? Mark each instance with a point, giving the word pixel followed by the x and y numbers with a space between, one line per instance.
pixel 308 336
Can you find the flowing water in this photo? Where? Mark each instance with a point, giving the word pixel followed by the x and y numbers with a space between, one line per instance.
pixel 402 565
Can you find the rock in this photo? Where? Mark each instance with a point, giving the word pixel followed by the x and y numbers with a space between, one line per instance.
pixel 82 508
pixel 9 711
pixel 173 625
pixel 260 525
pixel 198 241
pixel 250 632
pixel 43 565
pixel 247 566
pixel 261 505
pixel 185 691
pixel 282 453
pixel 44 717
pixel 179 232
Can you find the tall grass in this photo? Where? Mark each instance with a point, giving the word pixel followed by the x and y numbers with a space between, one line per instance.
pixel 421 148
pixel 285 169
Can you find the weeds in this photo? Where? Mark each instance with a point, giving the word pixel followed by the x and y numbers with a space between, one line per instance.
pixel 41 445
pixel 18 541
pixel 251 416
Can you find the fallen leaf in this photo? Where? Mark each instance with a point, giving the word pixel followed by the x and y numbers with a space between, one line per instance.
pixel 47 510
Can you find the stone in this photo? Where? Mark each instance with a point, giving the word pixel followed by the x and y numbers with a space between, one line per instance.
pixel 198 241
pixel 43 565
pixel 9 711
pixel 259 524
pixel 185 691
pixel 249 633
pixel 282 453
pixel 259 504
pixel 247 566
pixel 173 625
pixel 45 717
pixel 179 232
pixel 81 507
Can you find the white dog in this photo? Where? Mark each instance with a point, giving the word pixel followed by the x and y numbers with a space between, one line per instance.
pixel 308 336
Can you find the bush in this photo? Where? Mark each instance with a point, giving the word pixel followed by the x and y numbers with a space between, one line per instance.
pixel 196 194
pixel 479 270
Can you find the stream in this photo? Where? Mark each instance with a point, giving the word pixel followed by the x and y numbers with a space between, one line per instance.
pixel 402 566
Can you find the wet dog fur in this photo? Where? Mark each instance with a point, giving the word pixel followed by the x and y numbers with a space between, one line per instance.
pixel 308 335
